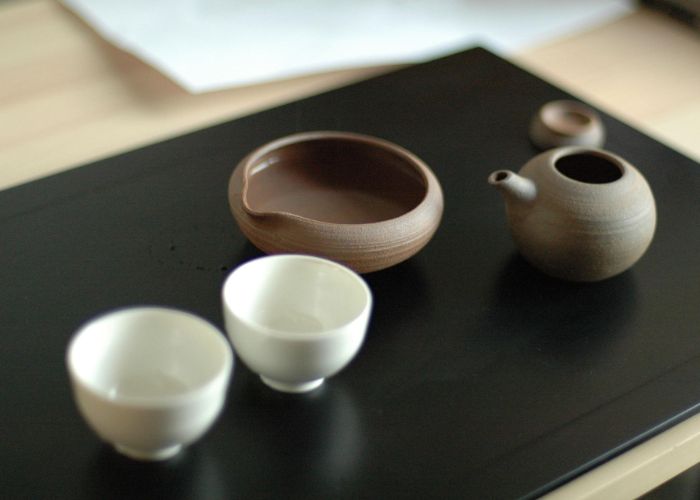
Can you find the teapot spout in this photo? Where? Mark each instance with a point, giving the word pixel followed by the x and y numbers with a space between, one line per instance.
pixel 514 187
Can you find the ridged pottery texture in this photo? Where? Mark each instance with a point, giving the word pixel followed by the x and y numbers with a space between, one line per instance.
pixel 580 214
pixel 360 201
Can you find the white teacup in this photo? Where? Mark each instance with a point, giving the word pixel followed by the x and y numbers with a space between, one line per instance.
pixel 149 380
pixel 295 319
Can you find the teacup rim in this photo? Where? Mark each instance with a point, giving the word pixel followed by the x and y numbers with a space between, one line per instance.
pixel 303 336
pixel 221 375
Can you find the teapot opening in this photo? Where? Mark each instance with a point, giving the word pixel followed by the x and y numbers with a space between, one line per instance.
pixel 589 168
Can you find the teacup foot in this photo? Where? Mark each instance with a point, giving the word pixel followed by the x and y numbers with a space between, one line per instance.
pixel 292 388
pixel 150 455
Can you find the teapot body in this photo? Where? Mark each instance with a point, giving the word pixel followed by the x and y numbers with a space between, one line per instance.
pixel 590 214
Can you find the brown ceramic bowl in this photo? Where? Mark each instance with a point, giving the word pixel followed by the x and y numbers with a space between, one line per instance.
pixel 351 198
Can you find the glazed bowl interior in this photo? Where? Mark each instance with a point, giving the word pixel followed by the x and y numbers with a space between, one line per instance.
pixel 148 355
pixel 335 180
pixel 567 117
pixel 295 294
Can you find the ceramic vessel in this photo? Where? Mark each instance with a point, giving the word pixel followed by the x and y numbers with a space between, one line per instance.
pixel 149 380
pixel 295 319
pixel 566 123
pixel 581 214
pixel 354 199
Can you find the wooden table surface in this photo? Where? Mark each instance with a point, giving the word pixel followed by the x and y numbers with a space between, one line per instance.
pixel 68 98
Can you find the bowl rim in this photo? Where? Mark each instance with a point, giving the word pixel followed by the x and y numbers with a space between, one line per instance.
pixel 550 116
pixel 221 376
pixel 365 312
pixel 431 185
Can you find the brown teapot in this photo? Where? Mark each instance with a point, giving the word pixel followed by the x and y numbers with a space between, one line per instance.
pixel 578 213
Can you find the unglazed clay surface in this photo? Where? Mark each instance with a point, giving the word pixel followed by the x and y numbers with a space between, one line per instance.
pixel 358 200
pixel 566 123
pixel 581 214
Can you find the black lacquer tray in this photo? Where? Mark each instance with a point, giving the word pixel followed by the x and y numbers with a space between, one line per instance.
pixel 480 377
